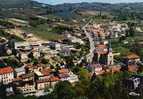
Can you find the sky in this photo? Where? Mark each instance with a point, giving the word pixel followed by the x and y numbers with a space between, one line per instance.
pixel 53 2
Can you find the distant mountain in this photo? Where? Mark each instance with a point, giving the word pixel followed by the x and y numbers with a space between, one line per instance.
pixel 99 6
pixel 70 6
pixel 66 10
pixel 115 9
pixel 18 3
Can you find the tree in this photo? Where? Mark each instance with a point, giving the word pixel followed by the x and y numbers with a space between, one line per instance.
pixel 63 90
pixel 81 87
pixel 122 50
pixel 83 74
pixel 131 30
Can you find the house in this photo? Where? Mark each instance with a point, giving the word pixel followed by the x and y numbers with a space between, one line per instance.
pixel 115 68
pixel 9 91
pixel 22 45
pixel 36 54
pixel 26 87
pixel 20 71
pixel 134 84
pixel 132 57
pixel 54 80
pixel 25 84
pixel 133 68
pixel 42 78
pixel 98 69
pixel 27 77
pixel 42 84
pixel 67 75
pixel 64 74
pixel 58 46
pixel 66 51
pixel 47 79
pixel 24 57
pixel 49 82
pixel 6 75
pixel 31 68
pixel 73 77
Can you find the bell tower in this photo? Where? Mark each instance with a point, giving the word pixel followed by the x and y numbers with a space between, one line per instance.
pixel 110 57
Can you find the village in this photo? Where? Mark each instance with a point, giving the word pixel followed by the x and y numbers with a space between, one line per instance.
pixel 42 64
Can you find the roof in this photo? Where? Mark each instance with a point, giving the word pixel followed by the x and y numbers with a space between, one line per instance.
pixel 38 73
pixel 64 75
pixel 54 78
pixel 46 72
pixel 51 79
pixel 63 71
pixel 20 69
pixel 6 70
pixel 132 56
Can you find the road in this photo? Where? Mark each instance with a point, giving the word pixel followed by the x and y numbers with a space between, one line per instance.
pixel 6 57
pixel 91 41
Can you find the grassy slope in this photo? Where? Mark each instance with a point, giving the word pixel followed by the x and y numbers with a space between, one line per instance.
pixel 43 31
pixel 7 35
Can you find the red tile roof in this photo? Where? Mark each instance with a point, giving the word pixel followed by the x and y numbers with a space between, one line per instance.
pixel 54 78
pixel 63 71
pixel 46 72
pixel 6 70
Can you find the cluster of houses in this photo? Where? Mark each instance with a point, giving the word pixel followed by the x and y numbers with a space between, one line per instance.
pixel 113 29
pixel 117 30
pixel 41 49
pixel 34 77
pixel 103 60
pixel 31 78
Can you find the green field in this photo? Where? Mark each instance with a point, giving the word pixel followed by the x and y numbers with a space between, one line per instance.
pixel 45 32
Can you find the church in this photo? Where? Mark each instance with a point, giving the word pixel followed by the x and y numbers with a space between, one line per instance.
pixel 103 54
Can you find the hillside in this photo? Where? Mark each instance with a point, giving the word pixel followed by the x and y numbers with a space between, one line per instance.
pixel 20 8
pixel 31 7
pixel 18 3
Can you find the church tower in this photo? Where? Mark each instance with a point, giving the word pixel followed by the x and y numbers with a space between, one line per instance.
pixel 110 57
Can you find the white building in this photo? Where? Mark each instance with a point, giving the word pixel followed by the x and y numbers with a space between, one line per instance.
pixel 6 75
pixel 20 71
pixel 27 88
pixel 73 78
pixel 24 57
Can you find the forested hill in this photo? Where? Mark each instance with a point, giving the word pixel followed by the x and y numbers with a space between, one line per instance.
pixel 125 9
pixel 18 3
pixel 101 6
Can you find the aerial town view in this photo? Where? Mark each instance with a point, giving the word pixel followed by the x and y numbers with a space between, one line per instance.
pixel 71 49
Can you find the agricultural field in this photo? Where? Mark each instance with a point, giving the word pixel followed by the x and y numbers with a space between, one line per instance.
pixel 44 31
